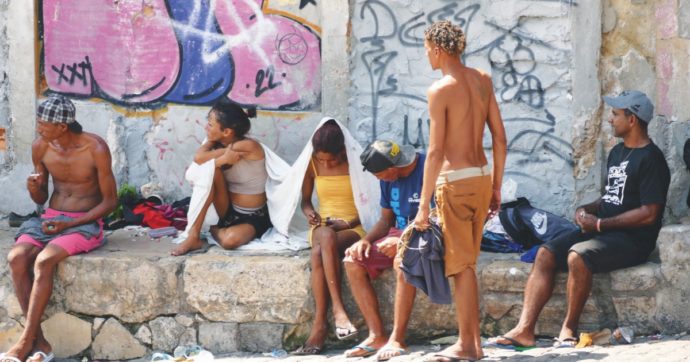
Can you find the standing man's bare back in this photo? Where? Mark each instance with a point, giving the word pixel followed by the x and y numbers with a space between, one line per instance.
pixel 461 104
pixel 467 99
pixel 84 192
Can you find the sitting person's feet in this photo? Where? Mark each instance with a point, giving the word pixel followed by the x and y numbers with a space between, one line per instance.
pixel 367 347
pixel 390 350
pixel 42 351
pixel 513 339
pixel 566 338
pixel 314 343
pixel 189 244
pixel 18 352
pixel 344 329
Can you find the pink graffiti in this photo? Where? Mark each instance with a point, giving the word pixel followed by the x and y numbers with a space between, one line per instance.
pixel 132 55
pixel 279 53
pixel 127 51
pixel 667 18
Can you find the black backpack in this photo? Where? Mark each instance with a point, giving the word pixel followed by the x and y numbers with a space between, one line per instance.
pixel 529 226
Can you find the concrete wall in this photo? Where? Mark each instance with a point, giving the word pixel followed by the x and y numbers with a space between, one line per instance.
pixel 550 62
pixel 651 54
pixel 146 84
pixel 542 73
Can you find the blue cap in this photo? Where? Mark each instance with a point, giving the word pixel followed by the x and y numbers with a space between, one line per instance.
pixel 636 102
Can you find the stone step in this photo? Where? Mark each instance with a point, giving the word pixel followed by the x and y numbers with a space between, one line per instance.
pixel 131 291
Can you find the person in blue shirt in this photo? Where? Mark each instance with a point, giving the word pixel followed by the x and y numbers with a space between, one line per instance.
pixel 400 170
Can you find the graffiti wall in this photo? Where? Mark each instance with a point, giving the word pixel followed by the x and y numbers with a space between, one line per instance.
pixel 526 46
pixel 147 53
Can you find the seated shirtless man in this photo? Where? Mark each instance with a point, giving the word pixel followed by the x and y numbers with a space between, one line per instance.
pixel 84 192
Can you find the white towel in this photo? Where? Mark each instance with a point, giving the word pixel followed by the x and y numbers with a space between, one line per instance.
pixel 283 191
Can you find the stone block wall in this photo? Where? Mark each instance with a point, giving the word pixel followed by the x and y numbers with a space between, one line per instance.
pixel 129 299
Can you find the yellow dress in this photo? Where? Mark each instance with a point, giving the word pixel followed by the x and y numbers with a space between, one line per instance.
pixel 336 200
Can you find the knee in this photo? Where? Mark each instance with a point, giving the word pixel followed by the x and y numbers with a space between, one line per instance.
pixel 45 264
pixel 18 260
pixel 352 269
pixel 324 237
pixel 575 262
pixel 230 242
pixel 545 260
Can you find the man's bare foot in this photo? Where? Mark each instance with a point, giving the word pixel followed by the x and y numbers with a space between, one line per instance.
pixel 567 334
pixel 190 244
pixel 20 351
pixel 367 347
pixel 513 336
pixel 455 352
pixel 390 350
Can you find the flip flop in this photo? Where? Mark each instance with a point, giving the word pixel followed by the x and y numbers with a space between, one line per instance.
pixel 513 346
pixel 343 333
pixel 400 351
pixel 569 342
pixel 5 357
pixel 368 351
pixel 305 350
pixel 43 356
pixel 440 357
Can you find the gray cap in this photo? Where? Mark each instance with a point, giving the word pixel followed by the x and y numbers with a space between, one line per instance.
pixel 635 101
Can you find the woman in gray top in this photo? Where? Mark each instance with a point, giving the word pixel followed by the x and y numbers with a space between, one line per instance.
pixel 238 192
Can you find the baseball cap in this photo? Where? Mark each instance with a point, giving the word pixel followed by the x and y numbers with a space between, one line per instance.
pixel 635 101
pixel 381 155
pixel 57 109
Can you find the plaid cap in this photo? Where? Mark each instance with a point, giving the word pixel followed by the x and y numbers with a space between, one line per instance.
pixel 57 109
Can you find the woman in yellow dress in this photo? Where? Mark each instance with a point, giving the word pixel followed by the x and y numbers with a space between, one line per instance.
pixel 334 227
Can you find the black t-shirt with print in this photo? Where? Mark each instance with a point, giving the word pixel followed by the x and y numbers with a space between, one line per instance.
pixel 636 177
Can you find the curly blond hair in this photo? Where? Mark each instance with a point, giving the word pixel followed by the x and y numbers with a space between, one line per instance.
pixel 447 36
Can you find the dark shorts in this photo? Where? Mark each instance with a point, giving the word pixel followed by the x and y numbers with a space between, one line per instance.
pixel 259 219
pixel 601 252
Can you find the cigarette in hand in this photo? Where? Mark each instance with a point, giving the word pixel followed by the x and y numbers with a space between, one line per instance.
pixel 35 174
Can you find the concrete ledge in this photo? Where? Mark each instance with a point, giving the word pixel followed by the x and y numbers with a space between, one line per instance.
pixel 131 291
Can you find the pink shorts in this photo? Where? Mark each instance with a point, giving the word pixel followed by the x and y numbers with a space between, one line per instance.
pixel 377 262
pixel 72 243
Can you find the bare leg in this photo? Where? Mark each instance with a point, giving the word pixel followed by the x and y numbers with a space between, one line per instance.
pixel 318 332
pixel 333 246
pixel 579 287
pixel 44 270
pixel 404 301
pixel 537 292
pixel 233 236
pixel 368 304
pixel 21 261
pixel 220 199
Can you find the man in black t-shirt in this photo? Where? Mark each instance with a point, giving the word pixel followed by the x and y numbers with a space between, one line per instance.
pixel 619 229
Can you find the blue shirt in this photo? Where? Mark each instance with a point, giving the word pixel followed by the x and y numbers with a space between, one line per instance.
pixel 402 195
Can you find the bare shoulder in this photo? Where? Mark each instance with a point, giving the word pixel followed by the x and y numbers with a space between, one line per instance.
pixel 247 145
pixel 96 144
pixel 39 147
pixel 251 146
pixel 441 86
